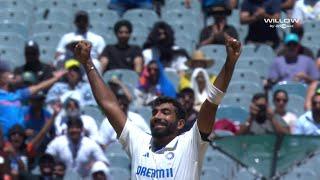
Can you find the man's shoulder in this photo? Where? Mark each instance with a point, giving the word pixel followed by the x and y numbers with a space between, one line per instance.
pixel 60 140
pixel 89 143
pixel 94 35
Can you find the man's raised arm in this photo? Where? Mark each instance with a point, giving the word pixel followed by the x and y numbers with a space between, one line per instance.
pixel 103 95
pixel 216 91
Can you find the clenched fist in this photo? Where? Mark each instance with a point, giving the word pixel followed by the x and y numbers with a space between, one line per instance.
pixel 233 48
pixel 82 52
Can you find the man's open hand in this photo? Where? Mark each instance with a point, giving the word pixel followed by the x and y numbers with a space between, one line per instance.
pixel 82 51
pixel 233 48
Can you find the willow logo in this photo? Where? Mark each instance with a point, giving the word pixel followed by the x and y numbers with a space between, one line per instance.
pixel 281 23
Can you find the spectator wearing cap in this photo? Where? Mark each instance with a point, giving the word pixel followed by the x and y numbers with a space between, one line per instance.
pixel 11 111
pixel 253 14
pixel 33 64
pixel 73 83
pixel 100 171
pixel 122 55
pixel 214 34
pixel 75 150
pixel 121 6
pixel 187 99
pixel 292 39
pixel 21 151
pixel 82 32
pixel 198 60
pixel 292 66
pixel 306 10
pixel 35 117
pixel 72 109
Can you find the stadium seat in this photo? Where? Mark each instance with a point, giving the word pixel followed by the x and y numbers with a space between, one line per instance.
pixel 237 99
pixel 47 54
pixel 173 76
pixel 137 39
pixel 148 17
pixel 217 53
pixel 301 174
pixel 120 173
pixel 210 173
pixel 13 15
pixel 234 18
pixel 296 88
pixel 235 113
pixel 55 15
pixel 108 17
pixel 177 15
pixel 186 28
pixel 312 38
pixel 244 87
pixel 125 75
pixel 92 4
pixel 244 174
pixel 260 50
pixel 242 32
pixel 186 43
pixel 95 113
pixel 12 27
pixel 295 104
pixel 119 160
pixel 47 39
pixel 144 111
pixel 103 29
pixel 246 75
pixel 114 147
pixel 54 28
pixel 12 55
pixel 255 64
pixel 223 163
pixel 12 40
pixel 311 26
pixel 53 4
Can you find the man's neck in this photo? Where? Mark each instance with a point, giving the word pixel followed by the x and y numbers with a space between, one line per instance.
pixel 280 112
pixel 159 143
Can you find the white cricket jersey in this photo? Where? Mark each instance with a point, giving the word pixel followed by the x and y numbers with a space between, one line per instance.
pixel 180 159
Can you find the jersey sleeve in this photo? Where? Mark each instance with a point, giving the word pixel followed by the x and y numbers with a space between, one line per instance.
pixel 195 137
pixel 22 94
pixel 132 137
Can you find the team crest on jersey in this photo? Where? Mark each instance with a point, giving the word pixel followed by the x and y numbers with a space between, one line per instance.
pixel 170 155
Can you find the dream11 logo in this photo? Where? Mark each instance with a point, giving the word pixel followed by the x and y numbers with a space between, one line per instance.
pixel 281 23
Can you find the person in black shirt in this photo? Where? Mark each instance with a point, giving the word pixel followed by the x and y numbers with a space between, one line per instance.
pixel 33 64
pixel 254 13
pixel 122 55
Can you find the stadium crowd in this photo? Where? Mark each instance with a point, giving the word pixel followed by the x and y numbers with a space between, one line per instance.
pixel 48 132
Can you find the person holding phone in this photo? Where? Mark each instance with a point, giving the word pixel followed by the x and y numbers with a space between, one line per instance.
pixel 262 120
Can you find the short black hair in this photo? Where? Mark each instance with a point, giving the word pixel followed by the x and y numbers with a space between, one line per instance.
pixel 17 128
pixel 258 96
pixel 121 23
pixel 180 112
pixel 74 121
pixel 280 91
pixel 46 158
pixel 123 98
pixel 186 91
pixel 81 15
pixel 60 163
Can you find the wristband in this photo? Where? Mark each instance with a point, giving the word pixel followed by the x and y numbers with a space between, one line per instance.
pixel 215 95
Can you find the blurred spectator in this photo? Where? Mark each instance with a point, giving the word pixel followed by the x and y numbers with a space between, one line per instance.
pixel 73 84
pixel 121 6
pixel 100 171
pixel 68 41
pixel 107 133
pixel 35 117
pixel 76 151
pixel 153 83
pixel 160 46
pixel 199 83
pixel 5 162
pixel 292 66
pixel 225 125
pixel 214 34
pixel 119 88
pixel 313 88
pixel 208 5
pixel 293 41
pixel 287 4
pixel 22 152
pixel 72 109
pixel 280 100
pixel 46 163
pixel 198 60
pixel 309 122
pixel 306 10
pixel 122 55
pixel 262 119
pixel 59 170
pixel 11 111
pixel 33 64
pixel 186 98
pixel 254 13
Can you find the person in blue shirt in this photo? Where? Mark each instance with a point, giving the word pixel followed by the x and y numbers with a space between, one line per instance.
pixel 11 110
pixel 121 6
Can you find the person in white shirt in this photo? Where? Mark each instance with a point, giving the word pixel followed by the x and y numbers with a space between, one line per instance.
pixel 309 122
pixel 76 151
pixel 81 21
pixel 306 10
pixel 165 154
pixel 72 109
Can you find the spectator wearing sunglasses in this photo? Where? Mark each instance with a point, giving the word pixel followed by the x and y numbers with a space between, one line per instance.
pixel 280 101
pixel 309 122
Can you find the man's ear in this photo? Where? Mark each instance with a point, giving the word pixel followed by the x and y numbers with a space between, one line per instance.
pixel 181 123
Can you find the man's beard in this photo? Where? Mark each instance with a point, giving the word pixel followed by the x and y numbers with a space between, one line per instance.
pixel 169 129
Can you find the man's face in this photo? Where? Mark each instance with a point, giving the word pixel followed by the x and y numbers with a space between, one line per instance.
pixel 201 81
pixel 31 55
pixel 162 34
pixel 163 122
pixel 82 24
pixel 292 49
pixel 123 35
pixel 16 140
pixel 72 109
pixel 280 101
pixel 316 105
pixel 59 171
pixel 153 72
pixel 7 78
pixel 46 168
pixel 99 176
pixel 73 76
pixel 74 133
pixel 187 100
